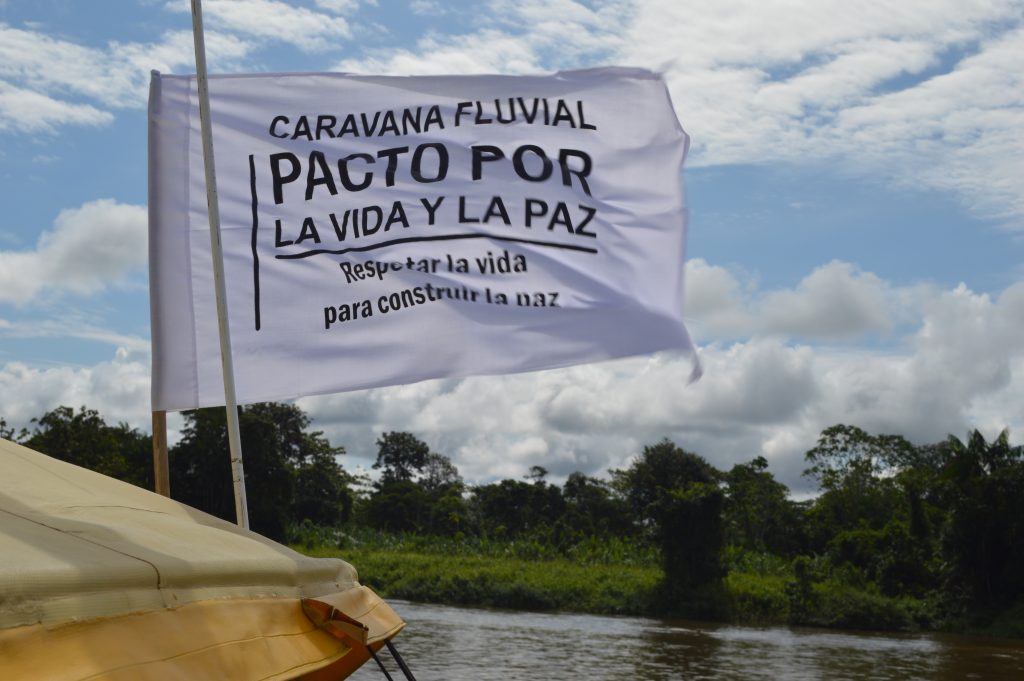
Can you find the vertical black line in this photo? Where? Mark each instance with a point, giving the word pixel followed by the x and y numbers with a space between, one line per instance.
pixel 399 660
pixel 380 664
pixel 255 255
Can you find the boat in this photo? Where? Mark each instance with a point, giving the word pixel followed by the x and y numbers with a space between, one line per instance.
pixel 105 581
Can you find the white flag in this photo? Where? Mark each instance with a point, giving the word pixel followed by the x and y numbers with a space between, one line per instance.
pixel 386 230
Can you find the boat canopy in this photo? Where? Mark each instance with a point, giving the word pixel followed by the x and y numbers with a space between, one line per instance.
pixel 102 580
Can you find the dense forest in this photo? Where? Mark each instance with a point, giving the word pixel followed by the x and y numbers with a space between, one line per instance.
pixel 900 536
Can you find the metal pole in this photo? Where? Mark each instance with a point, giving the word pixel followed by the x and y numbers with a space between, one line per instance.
pixel 161 466
pixel 230 403
pixel 399 660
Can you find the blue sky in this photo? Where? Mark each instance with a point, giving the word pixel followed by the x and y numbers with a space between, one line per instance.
pixel 856 247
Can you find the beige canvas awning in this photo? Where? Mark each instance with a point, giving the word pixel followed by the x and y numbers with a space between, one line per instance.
pixel 102 580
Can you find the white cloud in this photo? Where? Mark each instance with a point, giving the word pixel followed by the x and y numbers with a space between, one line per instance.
pixel 926 94
pixel 834 302
pixel 49 63
pixel 923 94
pixel 489 51
pixel 957 132
pixel 114 76
pixel 43 79
pixel 343 6
pixel 511 38
pixel 715 305
pixel 277 21
pixel 130 63
pixel 71 326
pixel 117 389
pixel 28 111
pixel 427 7
pixel 958 364
pixel 945 373
pixel 90 249
pixel 850 84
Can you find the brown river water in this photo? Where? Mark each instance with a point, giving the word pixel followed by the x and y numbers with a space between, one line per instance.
pixel 455 644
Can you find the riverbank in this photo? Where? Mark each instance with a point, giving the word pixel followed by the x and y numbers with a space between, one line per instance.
pixel 512 583
pixel 758 595
pixel 617 577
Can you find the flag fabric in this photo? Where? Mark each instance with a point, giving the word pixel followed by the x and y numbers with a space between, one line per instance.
pixel 386 230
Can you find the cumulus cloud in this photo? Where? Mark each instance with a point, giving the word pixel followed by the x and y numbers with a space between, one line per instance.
pixel 118 389
pixel 89 249
pixel 835 302
pixel 958 364
pixel 925 94
pixel 966 349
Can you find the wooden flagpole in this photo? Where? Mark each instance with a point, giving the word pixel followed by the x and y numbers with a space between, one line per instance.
pixel 227 364
pixel 161 465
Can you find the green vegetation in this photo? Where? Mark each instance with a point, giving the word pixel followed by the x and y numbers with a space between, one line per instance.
pixel 901 536
pixel 505 582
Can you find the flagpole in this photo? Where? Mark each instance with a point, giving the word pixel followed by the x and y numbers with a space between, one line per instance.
pixel 161 466
pixel 227 364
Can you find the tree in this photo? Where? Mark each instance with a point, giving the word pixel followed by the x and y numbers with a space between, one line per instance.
pixel 81 438
pixel 136 451
pixel 84 439
pixel 288 471
pixel 758 513
pixel 439 477
pixel 856 472
pixel 322 489
pixel 418 490
pixel 8 433
pixel 537 473
pixel 878 507
pixel 593 509
pixel 844 453
pixel 441 482
pixel 200 470
pixel 397 506
pixel 689 524
pixel 401 455
pixel 675 494
pixel 513 508
pixel 984 540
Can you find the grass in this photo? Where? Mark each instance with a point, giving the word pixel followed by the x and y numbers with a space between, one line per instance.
pixel 516 583
pixel 756 599
pixel 609 579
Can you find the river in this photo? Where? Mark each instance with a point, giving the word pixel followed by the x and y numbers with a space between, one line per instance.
pixel 461 644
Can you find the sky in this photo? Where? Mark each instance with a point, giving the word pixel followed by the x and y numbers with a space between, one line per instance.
pixel 856 227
